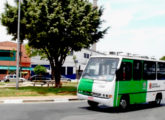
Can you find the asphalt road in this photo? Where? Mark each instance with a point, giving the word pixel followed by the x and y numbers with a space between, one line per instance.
pixel 78 111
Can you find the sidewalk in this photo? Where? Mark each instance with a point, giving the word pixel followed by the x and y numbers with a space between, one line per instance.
pixel 35 99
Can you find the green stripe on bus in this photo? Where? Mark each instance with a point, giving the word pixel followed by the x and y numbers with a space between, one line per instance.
pixel 136 90
pixel 85 86
pixel 127 60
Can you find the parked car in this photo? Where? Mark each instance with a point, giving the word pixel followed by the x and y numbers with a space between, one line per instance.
pixel 63 78
pixel 12 78
pixel 39 77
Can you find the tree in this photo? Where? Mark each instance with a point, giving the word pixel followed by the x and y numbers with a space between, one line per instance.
pixel 39 70
pixel 162 58
pixel 31 52
pixel 56 27
pixel 75 62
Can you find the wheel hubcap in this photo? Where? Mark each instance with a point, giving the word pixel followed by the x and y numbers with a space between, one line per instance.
pixel 158 101
pixel 123 103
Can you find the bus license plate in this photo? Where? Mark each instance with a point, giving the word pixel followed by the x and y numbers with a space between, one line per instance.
pixel 90 98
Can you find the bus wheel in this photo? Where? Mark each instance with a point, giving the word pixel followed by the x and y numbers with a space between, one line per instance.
pixel 123 103
pixel 92 104
pixel 158 99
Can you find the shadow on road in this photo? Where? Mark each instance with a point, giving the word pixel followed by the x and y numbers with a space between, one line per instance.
pixel 132 108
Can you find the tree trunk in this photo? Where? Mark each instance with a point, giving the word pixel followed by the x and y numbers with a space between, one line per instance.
pixel 56 66
pixel 52 73
pixel 57 75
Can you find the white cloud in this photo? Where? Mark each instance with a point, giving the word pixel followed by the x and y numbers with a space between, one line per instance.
pixel 137 9
pixel 151 14
pixel 120 18
pixel 3 32
pixel 116 19
pixel 143 40
pixel 122 1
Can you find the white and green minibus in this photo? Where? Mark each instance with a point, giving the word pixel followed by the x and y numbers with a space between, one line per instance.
pixel 119 81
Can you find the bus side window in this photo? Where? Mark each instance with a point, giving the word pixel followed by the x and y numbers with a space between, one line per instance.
pixel 137 70
pixel 161 71
pixel 149 70
pixel 125 72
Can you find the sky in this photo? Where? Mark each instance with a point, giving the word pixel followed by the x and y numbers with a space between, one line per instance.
pixel 136 26
pixel 3 32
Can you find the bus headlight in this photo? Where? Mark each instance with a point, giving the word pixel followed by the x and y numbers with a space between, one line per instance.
pixel 110 96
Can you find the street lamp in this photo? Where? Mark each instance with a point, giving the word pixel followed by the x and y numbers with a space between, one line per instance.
pixel 18 44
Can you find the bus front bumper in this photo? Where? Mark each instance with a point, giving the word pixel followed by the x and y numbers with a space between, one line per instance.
pixel 104 101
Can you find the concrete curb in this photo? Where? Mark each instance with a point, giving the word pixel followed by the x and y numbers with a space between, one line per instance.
pixel 19 101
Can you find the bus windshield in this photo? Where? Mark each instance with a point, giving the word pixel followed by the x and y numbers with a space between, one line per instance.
pixel 101 69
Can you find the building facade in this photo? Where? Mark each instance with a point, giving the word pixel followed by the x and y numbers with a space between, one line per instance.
pixel 8 60
pixel 74 63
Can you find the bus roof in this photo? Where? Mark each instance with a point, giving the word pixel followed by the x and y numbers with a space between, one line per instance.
pixel 128 57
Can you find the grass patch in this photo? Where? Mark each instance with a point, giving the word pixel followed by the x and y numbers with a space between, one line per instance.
pixel 2 83
pixel 67 89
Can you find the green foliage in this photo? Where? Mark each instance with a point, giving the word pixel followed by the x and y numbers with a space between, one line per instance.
pixel 56 27
pixel 162 58
pixel 31 52
pixel 39 70
pixel 11 71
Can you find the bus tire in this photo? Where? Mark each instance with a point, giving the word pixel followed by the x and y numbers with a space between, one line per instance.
pixel 124 103
pixel 92 104
pixel 158 99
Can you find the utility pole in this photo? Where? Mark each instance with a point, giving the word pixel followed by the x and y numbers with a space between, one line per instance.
pixel 18 44
pixel 95 6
